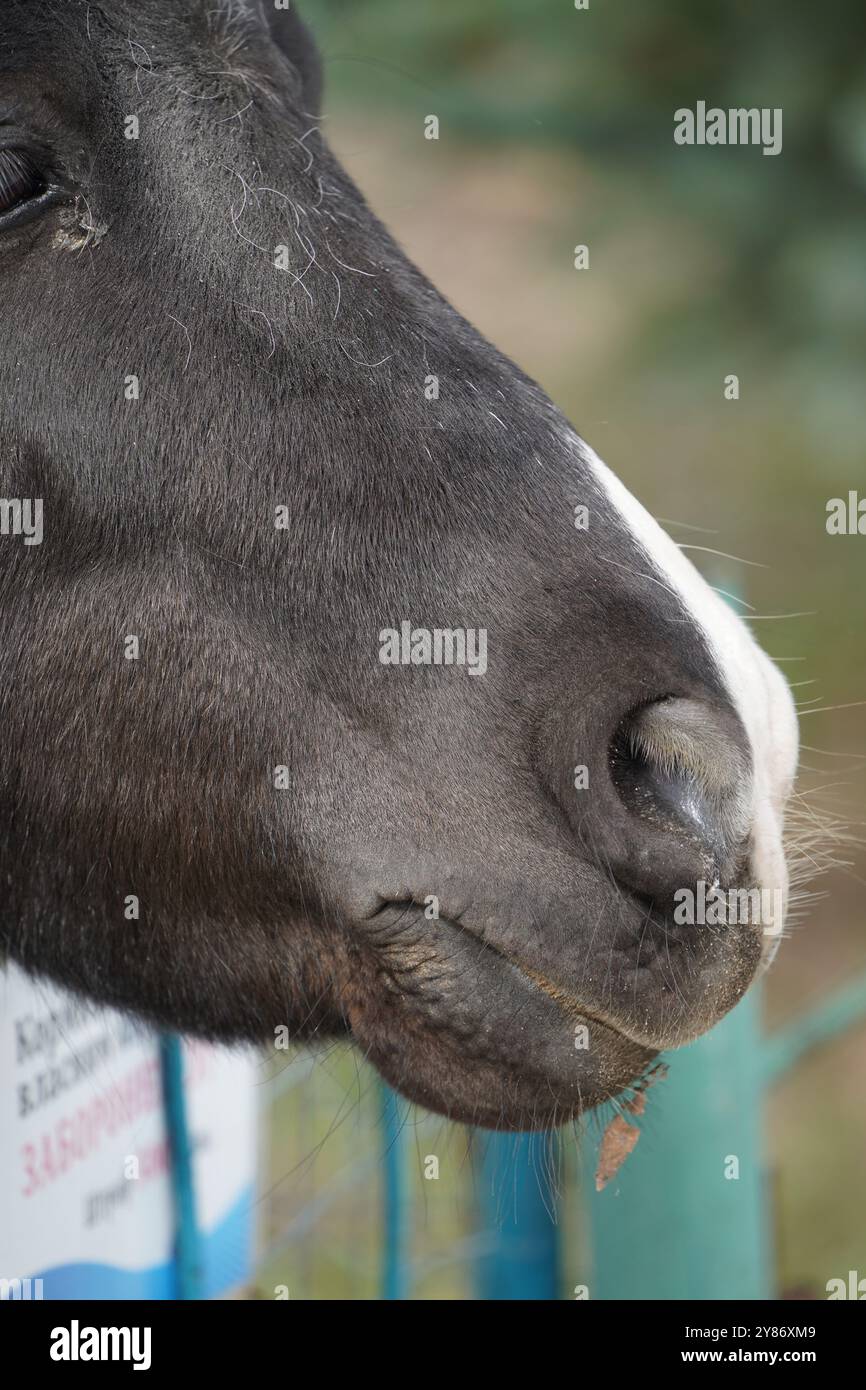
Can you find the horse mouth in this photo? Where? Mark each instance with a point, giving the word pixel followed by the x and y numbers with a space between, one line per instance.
pixel 569 1005
pixel 470 1032
pixel 654 1026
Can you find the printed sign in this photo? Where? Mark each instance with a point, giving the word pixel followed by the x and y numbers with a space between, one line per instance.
pixel 85 1196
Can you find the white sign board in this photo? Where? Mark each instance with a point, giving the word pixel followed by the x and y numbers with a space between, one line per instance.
pixel 85 1197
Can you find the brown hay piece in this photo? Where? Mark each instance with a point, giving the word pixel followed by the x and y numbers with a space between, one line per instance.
pixel 617 1143
pixel 620 1137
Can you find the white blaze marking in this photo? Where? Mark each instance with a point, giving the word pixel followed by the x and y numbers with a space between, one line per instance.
pixel 758 690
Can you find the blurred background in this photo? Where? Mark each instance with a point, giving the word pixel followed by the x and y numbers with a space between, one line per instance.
pixel 556 129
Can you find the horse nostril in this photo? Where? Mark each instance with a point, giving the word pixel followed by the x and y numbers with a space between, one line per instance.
pixel 682 766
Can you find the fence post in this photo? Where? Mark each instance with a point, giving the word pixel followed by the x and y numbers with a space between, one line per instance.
pixel 188 1258
pixel 674 1223
pixel 395 1199
pixel 517 1203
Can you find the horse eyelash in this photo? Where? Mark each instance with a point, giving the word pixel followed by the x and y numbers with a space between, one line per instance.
pixel 19 175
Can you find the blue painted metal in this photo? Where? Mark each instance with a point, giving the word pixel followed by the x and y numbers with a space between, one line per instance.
pixel 675 1223
pixel 396 1283
pixel 188 1254
pixel 517 1204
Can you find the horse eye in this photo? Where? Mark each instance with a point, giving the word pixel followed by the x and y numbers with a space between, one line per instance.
pixel 20 180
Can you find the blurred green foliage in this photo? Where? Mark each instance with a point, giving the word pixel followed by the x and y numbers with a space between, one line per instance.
pixel 788 233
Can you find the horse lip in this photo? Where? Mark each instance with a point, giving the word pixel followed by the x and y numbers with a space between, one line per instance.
pixel 539 1061
pixel 570 1007
pixel 567 1002
pixel 573 1010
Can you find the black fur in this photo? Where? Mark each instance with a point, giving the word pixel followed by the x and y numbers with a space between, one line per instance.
pixel 259 647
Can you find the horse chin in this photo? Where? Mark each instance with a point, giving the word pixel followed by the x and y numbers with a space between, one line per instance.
pixel 467 1033
pixel 501 1092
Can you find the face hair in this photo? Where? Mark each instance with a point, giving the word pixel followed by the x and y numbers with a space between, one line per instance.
pixel 261 438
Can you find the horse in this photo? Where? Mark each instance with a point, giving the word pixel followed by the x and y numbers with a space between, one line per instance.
pixel 344 690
